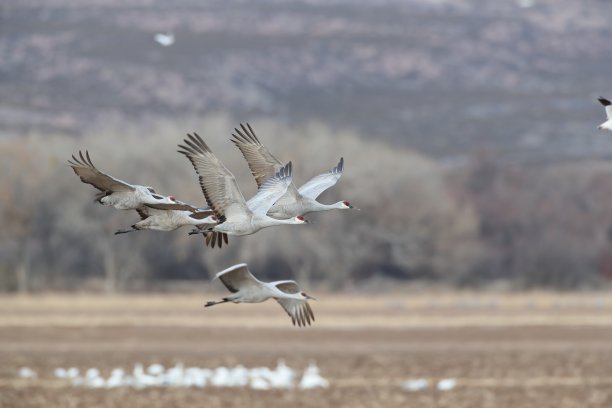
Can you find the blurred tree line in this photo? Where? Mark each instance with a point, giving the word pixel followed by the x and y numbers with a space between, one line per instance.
pixel 482 222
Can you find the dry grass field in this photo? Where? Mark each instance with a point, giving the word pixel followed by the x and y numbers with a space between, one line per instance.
pixel 530 350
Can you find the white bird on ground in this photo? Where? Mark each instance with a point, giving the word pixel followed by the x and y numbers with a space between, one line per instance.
pixel 259 383
pixel 169 217
pixel 607 125
pixel 282 376
pixel 92 373
pixel 236 216
pixel 415 385
pixel 117 378
pixel 174 375
pixel 155 369
pixel 164 39
pixel 27 372
pixel 72 372
pixel 446 384
pixel 94 381
pixel 220 377
pixel 196 377
pixel 312 378
pixel 238 376
pixel 246 288
pixel 294 202
pixel 114 192
pixel 141 380
pixel 60 372
pixel 260 372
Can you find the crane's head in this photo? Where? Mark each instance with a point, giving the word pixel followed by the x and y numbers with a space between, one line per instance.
pixel 172 198
pixel 300 219
pixel 345 205
pixel 305 296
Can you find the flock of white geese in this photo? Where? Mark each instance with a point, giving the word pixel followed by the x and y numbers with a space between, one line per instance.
pixel 277 202
pixel 156 375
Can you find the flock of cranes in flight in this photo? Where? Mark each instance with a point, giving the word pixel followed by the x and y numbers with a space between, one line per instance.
pixel 277 202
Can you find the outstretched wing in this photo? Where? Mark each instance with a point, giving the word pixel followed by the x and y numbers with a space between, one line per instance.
pixel 238 277
pixel 262 163
pixel 200 214
pixel 287 286
pixel 217 182
pixel 318 184
pixel 85 169
pixel 144 214
pixel 270 191
pixel 211 238
pixel 299 311
pixel 177 205
pixel 214 238
pixel 607 105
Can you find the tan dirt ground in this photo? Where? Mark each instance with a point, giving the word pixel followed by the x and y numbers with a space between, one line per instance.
pixel 533 350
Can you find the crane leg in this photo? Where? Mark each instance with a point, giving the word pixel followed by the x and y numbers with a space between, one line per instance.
pixel 125 231
pixel 212 302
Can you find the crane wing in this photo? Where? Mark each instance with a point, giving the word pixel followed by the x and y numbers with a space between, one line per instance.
pixel 143 213
pixel 270 191
pixel 213 238
pixel 607 105
pixel 201 214
pixel 178 205
pixel 299 311
pixel 217 182
pixel 287 286
pixel 238 277
pixel 85 169
pixel 262 163
pixel 318 184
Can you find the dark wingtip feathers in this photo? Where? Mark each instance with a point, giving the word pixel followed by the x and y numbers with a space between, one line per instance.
pixel 604 101
pixel 245 136
pixel 83 160
pixel 286 171
pixel 196 144
pixel 213 239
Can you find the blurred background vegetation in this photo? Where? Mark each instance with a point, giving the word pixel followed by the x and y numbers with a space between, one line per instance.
pixel 468 130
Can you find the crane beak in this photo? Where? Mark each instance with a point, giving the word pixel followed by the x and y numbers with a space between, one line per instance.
pixel 310 297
